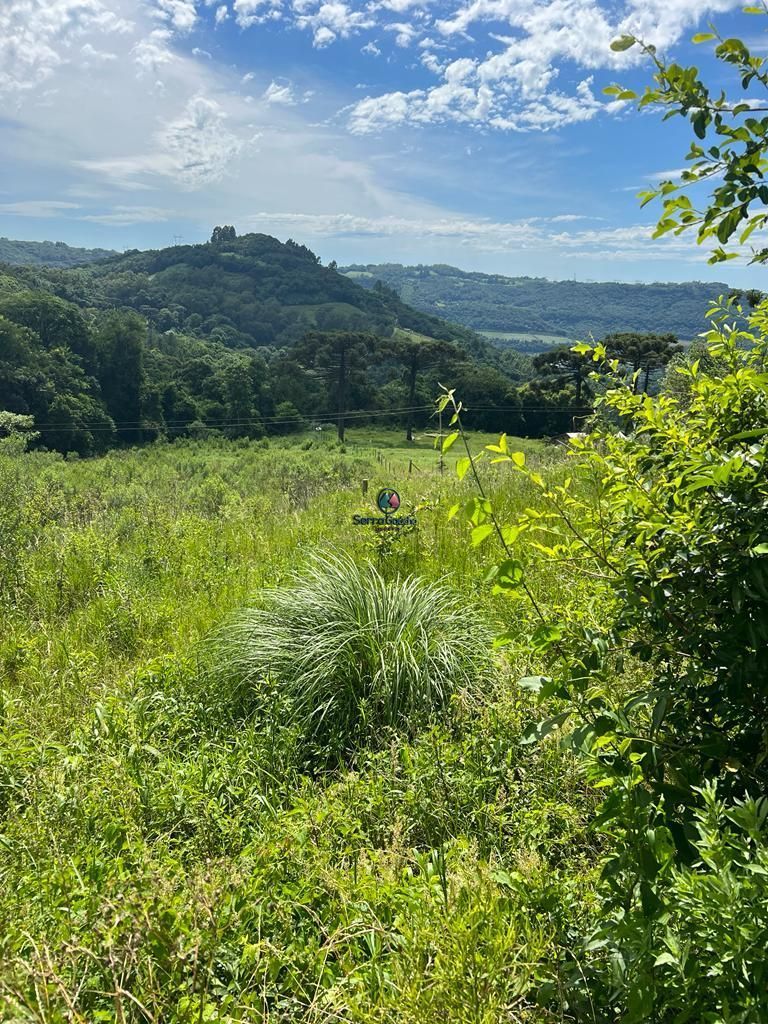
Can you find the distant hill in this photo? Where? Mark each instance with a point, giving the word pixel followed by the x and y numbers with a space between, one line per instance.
pixel 246 336
pixel 47 254
pixel 245 292
pixel 537 306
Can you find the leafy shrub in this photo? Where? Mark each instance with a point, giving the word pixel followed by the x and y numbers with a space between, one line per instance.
pixel 703 959
pixel 356 653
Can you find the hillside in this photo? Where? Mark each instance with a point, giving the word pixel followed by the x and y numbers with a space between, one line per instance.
pixel 47 254
pixel 537 306
pixel 247 291
pixel 244 336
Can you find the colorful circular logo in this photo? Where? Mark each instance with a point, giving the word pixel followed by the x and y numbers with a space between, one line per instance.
pixel 388 501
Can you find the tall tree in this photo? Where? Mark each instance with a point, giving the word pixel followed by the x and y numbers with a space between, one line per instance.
pixel 57 324
pixel 417 354
pixel 340 357
pixel 560 366
pixel 120 342
pixel 642 352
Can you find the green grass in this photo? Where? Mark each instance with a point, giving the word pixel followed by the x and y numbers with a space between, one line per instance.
pixel 166 852
pixel 355 655
pixel 552 339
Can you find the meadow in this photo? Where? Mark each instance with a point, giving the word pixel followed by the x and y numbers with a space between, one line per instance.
pixel 170 852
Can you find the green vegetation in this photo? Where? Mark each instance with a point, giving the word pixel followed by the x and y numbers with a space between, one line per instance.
pixel 48 254
pixel 173 854
pixel 533 306
pixel 524 342
pixel 659 687
pixel 259 763
pixel 247 337
pixel 353 654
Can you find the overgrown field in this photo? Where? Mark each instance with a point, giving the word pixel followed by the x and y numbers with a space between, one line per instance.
pixel 170 848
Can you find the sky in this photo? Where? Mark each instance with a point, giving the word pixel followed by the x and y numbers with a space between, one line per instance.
pixel 469 132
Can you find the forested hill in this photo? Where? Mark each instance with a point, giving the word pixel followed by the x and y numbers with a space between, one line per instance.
pixel 47 254
pixel 244 336
pixel 491 302
pixel 242 291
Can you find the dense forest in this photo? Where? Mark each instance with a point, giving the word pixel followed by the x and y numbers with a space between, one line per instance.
pixel 535 305
pixel 248 336
pixel 47 254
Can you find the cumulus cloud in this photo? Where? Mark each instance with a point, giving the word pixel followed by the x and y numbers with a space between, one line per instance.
pixel 280 93
pixel 182 14
pixel 36 36
pixel 331 20
pixel 538 77
pixel 255 12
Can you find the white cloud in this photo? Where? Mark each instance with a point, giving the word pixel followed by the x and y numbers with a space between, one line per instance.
pixel 330 20
pixel 182 14
pixel 37 208
pixel 255 12
pixel 324 36
pixel 281 94
pixel 36 36
pixel 222 13
pixel 533 234
pixel 194 149
pixel 125 216
pixel 538 77
pixel 406 33
pixel 91 53
pixel 154 51
pixel 372 49
pixel 199 143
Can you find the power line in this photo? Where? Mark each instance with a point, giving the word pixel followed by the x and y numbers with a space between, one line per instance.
pixel 95 425
pixel 244 421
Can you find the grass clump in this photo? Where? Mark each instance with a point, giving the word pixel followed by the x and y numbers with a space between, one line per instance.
pixel 355 653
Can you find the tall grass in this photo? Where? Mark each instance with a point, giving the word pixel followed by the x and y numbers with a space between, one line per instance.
pixel 356 653
pixel 164 860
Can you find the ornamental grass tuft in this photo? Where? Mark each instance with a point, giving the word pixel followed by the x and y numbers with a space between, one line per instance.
pixel 356 654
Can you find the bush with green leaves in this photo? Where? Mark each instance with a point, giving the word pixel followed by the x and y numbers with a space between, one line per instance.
pixel 356 653
pixel 661 683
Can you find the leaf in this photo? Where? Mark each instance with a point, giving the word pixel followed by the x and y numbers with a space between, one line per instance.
pixel 745 434
pixel 759 549
pixel 623 43
pixel 664 958
pixel 537 731
pixel 450 441
pixel 533 683
pixel 509 575
pixel 519 459
pixel 703 37
pixel 453 510
pixel 501 447
pixel 545 635
pixel 462 466
pixel 481 533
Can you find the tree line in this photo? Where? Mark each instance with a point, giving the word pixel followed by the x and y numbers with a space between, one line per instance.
pixel 94 379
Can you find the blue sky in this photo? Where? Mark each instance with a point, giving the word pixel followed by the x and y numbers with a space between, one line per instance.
pixel 473 132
